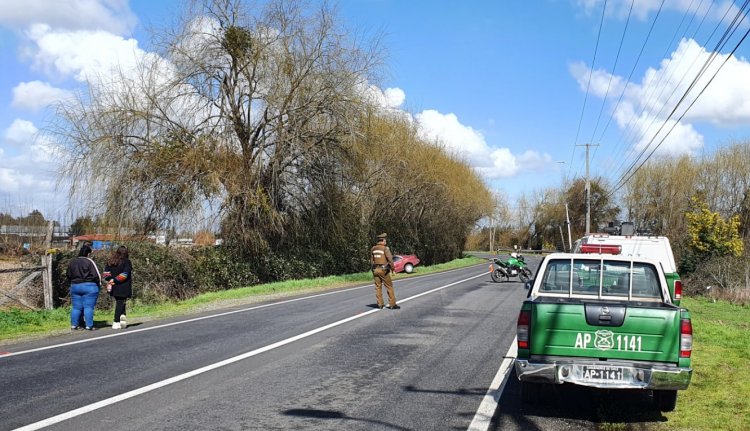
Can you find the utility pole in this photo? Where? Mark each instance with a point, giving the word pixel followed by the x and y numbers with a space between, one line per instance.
pixel 567 221
pixel 492 234
pixel 588 187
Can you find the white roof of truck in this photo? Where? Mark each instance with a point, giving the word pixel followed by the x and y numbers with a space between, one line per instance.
pixel 652 247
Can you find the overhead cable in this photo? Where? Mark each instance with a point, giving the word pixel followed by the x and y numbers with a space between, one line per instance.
pixel 730 31
pixel 588 85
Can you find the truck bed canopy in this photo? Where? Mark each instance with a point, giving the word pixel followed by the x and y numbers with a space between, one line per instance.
pixel 589 277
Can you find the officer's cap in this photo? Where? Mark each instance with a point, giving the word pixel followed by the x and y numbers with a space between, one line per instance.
pixel 382 236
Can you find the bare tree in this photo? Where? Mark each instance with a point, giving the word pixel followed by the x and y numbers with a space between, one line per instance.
pixel 724 178
pixel 233 112
pixel 659 195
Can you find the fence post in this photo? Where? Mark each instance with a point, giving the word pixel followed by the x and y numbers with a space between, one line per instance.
pixel 47 271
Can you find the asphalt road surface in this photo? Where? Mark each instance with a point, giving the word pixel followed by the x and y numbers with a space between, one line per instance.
pixel 324 361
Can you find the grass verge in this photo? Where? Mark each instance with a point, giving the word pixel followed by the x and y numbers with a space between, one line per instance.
pixel 719 394
pixel 20 324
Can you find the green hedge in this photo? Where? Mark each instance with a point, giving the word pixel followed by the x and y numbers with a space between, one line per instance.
pixel 162 274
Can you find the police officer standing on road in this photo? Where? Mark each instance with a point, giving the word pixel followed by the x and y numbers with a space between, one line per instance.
pixel 381 263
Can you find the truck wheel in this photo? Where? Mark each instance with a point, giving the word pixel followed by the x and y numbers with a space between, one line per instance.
pixel 408 268
pixel 530 392
pixel 665 400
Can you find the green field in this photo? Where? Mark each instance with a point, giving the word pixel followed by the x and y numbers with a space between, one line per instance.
pixel 719 395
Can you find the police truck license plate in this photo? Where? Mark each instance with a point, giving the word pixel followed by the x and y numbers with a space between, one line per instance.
pixel 601 372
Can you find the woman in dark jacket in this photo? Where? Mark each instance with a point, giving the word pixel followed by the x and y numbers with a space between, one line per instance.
pixel 118 272
pixel 84 288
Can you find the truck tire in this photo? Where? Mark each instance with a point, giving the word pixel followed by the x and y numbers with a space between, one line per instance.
pixel 665 400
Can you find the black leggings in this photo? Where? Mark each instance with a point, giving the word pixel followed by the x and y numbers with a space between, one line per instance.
pixel 119 307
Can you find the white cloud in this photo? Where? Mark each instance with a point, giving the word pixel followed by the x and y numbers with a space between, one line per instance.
pixel 726 101
pixel 113 16
pixel 601 82
pixel 390 98
pixel 457 138
pixel 535 161
pixel 21 133
pixel 394 97
pixel 647 105
pixel 82 54
pixel 36 95
pixel 466 142
pixel 32 167
pixel 12 181
pixel 683 139
pixel 504 164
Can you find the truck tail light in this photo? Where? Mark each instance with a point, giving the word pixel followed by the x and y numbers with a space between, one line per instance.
pixel 686 338
pixel 677 290
pixel 522 329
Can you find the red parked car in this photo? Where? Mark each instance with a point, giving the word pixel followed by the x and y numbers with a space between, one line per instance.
pixel 405 262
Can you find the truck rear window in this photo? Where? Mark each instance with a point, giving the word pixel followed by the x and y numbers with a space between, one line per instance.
pixel 602 279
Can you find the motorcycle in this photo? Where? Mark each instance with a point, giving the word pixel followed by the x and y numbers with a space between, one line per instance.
pixel 505 269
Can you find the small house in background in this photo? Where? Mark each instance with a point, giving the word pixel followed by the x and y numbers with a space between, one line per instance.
pixel 98 241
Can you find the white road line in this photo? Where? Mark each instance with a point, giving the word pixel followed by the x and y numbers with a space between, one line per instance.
pixel 196 319
pixel 487 408
pixel 140 391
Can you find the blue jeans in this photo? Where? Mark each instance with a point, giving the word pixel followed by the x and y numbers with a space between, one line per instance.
pixel 83 296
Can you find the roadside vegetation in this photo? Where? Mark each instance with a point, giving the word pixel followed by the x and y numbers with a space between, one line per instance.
pixel 702 204
pixel 719 395
pixel 258 131
pixel 262 124
pixel 260 127
pixel 18 323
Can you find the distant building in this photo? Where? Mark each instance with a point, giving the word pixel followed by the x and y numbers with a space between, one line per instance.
pixel 98 241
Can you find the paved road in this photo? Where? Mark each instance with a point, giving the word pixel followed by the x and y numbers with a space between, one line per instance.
pixel 426 366
pixel 326 361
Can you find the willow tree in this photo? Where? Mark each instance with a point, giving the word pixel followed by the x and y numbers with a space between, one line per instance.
pixel 725 181
pixel 659 194
pixel 415 188
pixel 232 112
pixel 549 220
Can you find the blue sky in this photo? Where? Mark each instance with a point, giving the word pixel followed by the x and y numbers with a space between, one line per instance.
pixel 502 83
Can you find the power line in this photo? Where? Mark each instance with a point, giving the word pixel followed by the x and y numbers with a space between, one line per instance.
pixel 632 71
pixel 611 75
pixel 719 45
pixel 682 78
pixel 630 129
pixel 730 31
pixel 588 85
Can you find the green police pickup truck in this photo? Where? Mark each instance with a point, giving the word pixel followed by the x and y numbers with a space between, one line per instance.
pixel 604 321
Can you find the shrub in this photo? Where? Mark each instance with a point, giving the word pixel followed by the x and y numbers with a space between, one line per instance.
pixel 161 273
pixel 217 268
pixel 273 267
pixel 726 277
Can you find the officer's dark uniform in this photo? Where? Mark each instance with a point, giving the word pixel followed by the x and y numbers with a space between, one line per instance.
pixel 381 263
